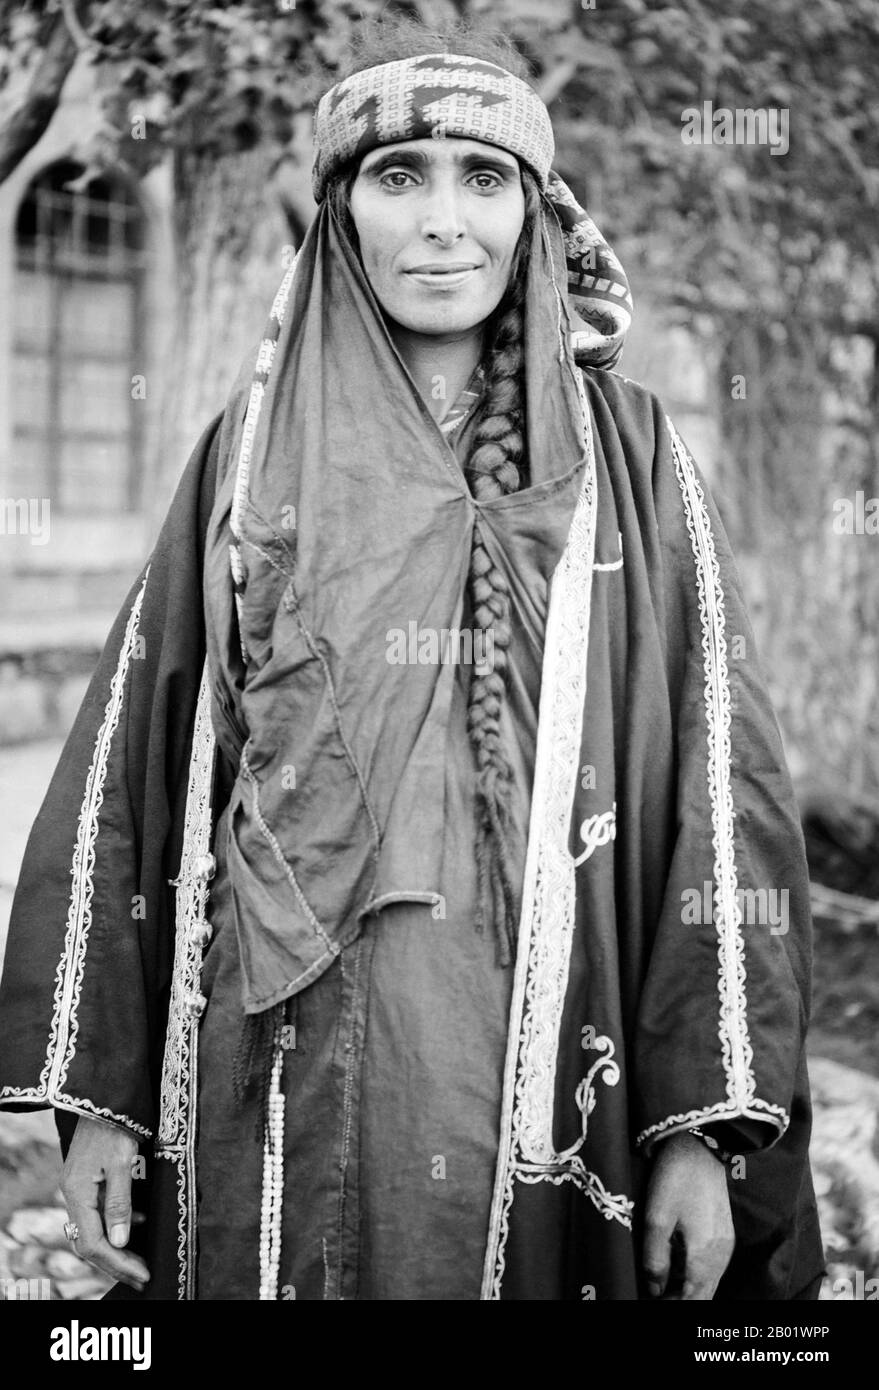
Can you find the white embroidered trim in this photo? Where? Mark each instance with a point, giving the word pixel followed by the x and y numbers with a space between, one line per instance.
pixel 568 1166
pixel 758 1110
pixel 31 1095
pixel 264 362
pixel 64 1027
pixel 265 358
pixel 526 1148
pixel 176 1132
pixel 732 1026
pixel 735 1043
pixel 185 1236
pixel 596 831
pixel 248 434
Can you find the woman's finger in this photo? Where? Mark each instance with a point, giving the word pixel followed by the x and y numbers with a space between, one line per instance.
pixel 91 1245
pixel 699 1277
pixel 117 1204
pixel 657 1252
pixel 705 1262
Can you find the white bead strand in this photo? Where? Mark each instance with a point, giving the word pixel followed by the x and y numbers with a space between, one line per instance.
pixel 272 1180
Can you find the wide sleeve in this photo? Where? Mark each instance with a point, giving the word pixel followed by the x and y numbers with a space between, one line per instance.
pixel 724 1007
pixel 83 997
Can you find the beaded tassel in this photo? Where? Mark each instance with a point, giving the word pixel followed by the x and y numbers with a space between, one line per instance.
pixel 272 1178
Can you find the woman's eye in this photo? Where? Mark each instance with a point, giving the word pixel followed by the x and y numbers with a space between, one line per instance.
pixel 397 174
pixel 493 180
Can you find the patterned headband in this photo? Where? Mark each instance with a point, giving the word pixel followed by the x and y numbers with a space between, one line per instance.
pixel 436 94
pixel 442 94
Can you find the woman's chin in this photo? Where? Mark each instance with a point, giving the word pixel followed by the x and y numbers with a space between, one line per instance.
pixel 432 323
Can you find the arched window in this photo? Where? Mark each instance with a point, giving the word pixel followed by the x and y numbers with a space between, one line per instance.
pixel 77 419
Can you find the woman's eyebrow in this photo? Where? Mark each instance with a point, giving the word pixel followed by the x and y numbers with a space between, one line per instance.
pixel 419 159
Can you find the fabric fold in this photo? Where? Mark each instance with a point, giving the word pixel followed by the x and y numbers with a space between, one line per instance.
pixel 338 551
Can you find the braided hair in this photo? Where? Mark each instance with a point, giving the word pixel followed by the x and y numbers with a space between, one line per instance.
pixel 497 465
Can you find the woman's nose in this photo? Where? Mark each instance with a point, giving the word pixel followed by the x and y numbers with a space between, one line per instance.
pixel 443 214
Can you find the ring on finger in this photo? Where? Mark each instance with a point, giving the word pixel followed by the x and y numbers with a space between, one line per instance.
pixel 71 1231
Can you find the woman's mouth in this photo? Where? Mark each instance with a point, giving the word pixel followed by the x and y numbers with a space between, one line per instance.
pixel 444 278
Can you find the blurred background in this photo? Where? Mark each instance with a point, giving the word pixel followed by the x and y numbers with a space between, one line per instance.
pixel 154 183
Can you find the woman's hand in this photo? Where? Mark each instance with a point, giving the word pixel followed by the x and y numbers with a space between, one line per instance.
pixel 96 1185
pixel 687 1199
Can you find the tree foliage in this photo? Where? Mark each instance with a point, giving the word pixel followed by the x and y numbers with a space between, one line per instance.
pixel 775 254
pixel 772 258
pixel 719 229
pixel 741 224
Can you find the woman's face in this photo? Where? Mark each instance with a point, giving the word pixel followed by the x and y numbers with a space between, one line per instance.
pixel 438 222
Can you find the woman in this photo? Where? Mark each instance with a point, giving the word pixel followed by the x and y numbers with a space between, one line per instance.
pixel 452 994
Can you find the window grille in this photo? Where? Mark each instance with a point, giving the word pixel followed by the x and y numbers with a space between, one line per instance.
pixel 78 342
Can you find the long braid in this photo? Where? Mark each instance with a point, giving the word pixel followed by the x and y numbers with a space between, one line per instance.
pixel 496 466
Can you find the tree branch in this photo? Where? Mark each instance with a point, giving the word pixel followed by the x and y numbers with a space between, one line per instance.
pixel 75 29
pixel 554 81
pixel 28 122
